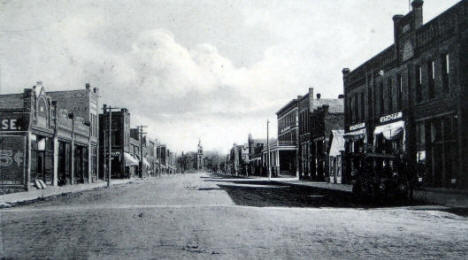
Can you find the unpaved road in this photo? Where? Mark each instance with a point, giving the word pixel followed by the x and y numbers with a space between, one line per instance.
pixel 198 217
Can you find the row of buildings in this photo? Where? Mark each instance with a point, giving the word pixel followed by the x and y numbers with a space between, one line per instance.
pixel 310 129
pixel 410 100
pixel 60 137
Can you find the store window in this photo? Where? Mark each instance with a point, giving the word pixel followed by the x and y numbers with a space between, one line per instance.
pixel 420 134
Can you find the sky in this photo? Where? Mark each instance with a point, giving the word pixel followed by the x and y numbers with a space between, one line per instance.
pixel 211 70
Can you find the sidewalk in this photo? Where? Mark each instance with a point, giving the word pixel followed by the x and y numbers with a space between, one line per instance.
pixel 450 198
pixel 10 199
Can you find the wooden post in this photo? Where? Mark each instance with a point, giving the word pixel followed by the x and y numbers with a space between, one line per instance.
pixel 109 174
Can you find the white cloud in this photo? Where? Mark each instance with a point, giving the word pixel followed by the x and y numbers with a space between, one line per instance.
pixel 180 68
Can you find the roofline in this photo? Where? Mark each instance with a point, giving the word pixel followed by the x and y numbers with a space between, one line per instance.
pixel 290 103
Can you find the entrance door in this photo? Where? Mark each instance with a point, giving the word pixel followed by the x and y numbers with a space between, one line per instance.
pixel 38 166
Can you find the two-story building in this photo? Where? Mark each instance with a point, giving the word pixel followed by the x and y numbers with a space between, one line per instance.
pixel 123 163
pixel 317 118
pixel 285 151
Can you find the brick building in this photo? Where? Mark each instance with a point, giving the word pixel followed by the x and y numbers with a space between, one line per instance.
pixel 410 99
pixel 83 104
pixel 41 140
pixel 123 162
pixel 285 152
pixel 239 159
pixel 255 161
pixel 317 118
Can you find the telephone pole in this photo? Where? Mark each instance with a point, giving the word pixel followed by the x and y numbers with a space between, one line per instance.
pixel 140 133
pixel 108 110
pixel 268 149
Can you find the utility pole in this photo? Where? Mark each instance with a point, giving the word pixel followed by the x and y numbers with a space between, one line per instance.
pixel 140 133
pixel 268 149
pixel 109 173
pixel 108 110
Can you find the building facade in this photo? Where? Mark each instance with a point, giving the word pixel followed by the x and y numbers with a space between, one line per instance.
pixel 410 99
pixel 286 149
pixel 123 163
pixel 255 148
pixel 42 141
pixel 317 118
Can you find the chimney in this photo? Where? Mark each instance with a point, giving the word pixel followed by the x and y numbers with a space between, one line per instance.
pixel 345 72
pixel 311 92
pixel 418 13
pixel 396 32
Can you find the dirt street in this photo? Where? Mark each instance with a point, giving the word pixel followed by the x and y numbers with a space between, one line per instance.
pixel 197 216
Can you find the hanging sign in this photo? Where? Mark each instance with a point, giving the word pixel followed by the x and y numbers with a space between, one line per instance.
pixel 384 119
pixel 357 126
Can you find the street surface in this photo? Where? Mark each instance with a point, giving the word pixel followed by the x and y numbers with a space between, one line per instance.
pixel 197 216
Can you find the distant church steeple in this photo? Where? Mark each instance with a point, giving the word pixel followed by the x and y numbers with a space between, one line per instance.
pixel 199 155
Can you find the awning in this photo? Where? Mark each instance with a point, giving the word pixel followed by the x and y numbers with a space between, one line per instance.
pixel 145 162
pixel 355 135
pixel 390 131
pixel 130 160
pixel 337 144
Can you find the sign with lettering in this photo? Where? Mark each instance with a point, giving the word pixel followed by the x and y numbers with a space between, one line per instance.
pixel 391 117
pixel 114 154
pixel 12 122
pixel 357 126
pixel 285 129
pixel 12 159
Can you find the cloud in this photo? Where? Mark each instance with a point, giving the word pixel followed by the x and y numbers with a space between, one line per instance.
pixel 215 70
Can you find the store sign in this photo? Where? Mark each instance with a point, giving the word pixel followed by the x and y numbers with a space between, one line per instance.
pixel 285 129
pixel 114 154
pixel 8 124
pixel 391 117
pixel 357 126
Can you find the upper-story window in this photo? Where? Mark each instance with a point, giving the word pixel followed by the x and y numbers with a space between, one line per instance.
pixel 390 95
pixel 369 102
pixel 431 77
pixel 418 84
pixel 362 106
pixel 399 94
pixel 356 107
pixel 381 98
pixel 445 71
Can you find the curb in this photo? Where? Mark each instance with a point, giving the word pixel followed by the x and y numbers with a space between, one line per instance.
pixel 42 196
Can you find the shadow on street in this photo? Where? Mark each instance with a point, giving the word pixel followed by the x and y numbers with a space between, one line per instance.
pixel 260 193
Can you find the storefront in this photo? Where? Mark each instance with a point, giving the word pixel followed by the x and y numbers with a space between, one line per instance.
pixel 41 144
pixel 131 165
pixel 437 150
pixel 355 145
pixel 335 156
pixel 390 135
